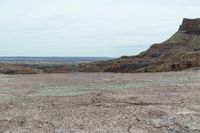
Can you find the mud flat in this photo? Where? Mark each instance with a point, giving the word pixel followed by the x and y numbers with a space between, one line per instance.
pixel 100 103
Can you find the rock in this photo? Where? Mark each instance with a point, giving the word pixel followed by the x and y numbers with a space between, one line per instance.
pixel 179 52
pixel 190 26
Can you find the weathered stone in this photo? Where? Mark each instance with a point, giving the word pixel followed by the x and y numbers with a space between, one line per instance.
pixel 181 51
pixel 190 26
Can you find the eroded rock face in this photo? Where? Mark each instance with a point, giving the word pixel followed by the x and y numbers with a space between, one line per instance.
pixel 179 52
pixel 190 26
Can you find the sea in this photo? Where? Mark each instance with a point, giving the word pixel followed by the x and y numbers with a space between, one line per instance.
pixel 51 60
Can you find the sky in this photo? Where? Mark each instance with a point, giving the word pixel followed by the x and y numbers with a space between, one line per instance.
pixel 89 27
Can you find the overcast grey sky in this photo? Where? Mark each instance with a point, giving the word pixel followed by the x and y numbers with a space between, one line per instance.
pixel 88 27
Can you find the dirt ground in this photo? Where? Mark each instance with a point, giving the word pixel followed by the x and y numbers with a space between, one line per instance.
pixel 100 103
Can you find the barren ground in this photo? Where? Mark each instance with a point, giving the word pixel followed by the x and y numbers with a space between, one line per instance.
pixel 100 103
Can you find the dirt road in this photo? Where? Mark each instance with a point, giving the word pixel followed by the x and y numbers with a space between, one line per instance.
pixel 100 103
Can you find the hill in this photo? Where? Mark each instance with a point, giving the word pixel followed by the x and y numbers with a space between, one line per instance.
pixel 179 52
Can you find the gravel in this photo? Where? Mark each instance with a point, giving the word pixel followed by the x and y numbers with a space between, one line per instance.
pixel 100 103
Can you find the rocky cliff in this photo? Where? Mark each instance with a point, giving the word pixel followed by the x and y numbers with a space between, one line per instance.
pixel 190 26
pixel 179 52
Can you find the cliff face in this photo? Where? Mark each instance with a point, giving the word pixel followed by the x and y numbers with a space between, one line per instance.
pixel 190 26
pixel 179 52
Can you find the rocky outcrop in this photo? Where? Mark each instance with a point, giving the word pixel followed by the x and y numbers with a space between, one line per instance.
pixel 190 26
pixel 34 69
pixel 179 52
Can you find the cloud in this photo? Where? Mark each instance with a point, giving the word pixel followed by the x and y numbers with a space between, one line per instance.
pixel 88 27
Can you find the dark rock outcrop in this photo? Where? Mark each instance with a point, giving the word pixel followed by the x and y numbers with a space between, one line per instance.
pixel 34 69
pixel 190 26
pixel 179 52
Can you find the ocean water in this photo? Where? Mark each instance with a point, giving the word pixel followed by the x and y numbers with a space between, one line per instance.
pixel 50 60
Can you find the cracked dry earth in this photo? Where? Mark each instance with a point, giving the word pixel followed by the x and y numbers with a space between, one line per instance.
pixel 100 103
